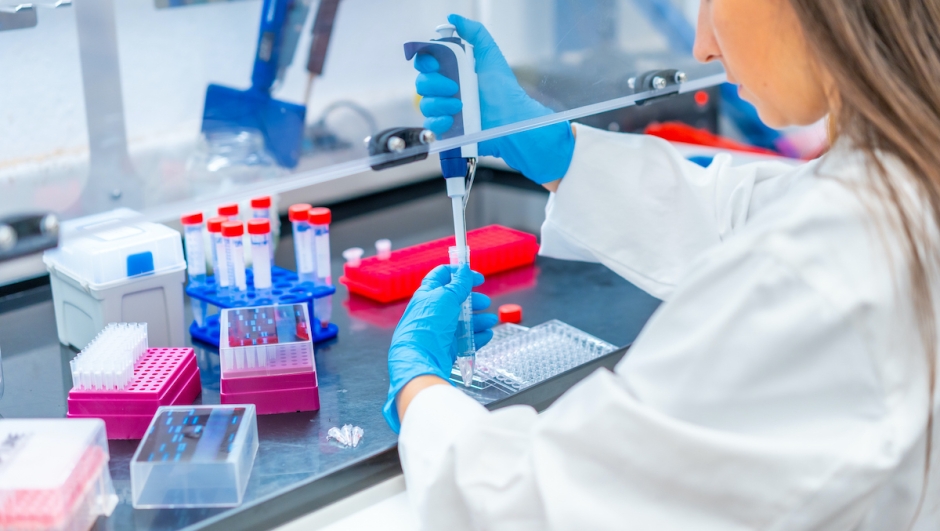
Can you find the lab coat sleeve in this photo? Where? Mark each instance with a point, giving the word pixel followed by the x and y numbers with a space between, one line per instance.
pixel 636 205
pixel 757 427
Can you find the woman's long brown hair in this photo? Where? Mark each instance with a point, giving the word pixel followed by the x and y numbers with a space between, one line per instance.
pixel 883 57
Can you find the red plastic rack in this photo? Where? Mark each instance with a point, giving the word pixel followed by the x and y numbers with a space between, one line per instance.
pixel 493 249
pixel 162 377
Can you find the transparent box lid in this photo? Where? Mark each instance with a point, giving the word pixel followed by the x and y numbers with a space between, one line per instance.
pixel 195 456
pixel 102 250
pixel 54 474
pixel 146 87
pixel 266 341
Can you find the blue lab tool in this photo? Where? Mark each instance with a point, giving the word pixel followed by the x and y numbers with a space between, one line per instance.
pixel 456 62
pixel 285 289
pixel 279 122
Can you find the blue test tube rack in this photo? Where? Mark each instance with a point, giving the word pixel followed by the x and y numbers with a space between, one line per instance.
pixel 286 288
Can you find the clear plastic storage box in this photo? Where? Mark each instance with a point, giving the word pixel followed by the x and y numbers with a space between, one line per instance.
pixel 54 474
pixel 128 273
pixel 195 456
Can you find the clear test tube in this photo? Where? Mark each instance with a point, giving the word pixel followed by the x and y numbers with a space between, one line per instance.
pixel 219 265
pixel 232 233
pixel 195 260
pixel 260 232
pixel 299 216
pixel 320 219
pixel 383 248
pixel 195 254
pixel 466 350
pixel 229 211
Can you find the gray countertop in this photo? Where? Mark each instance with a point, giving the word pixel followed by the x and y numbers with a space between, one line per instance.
pixel 296 468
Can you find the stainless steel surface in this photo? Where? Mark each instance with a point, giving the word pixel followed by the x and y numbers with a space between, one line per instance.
pixel 295 462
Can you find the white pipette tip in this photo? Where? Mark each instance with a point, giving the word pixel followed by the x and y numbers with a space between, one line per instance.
pixel 465 364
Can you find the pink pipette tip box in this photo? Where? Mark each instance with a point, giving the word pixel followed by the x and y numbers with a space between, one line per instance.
pixel 162 377
pixel 267 359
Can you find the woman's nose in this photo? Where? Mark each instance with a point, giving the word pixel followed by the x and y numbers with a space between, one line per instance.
pixel 706 47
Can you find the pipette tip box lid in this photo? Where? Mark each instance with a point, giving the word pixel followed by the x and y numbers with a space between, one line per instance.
pixel 267 359
pixel 286 288
pixel 195 456
pixel 162 377
pixel 54 474
pixel 493 249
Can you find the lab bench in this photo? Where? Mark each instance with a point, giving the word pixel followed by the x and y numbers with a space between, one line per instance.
pixel 297 470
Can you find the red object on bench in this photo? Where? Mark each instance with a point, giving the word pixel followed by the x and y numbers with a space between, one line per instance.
pixel 493 249
pixel 680 132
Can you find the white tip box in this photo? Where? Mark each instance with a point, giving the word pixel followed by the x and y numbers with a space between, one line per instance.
pixel 111 270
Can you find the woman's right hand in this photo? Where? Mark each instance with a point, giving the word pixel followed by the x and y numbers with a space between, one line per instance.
pixel 543 155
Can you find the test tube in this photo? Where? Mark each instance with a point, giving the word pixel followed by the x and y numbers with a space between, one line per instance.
pixel 219 265
pixel 383 248
pixel 195 254
pixel 229 211
pixel 299 216
pixel 261 209
pixel 320 219
pixel 353 256
pixel 466 351
pixel 232 233
pixel 260 231
pixel 195 260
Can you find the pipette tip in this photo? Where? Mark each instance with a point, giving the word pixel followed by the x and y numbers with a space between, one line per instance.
pixel 465 364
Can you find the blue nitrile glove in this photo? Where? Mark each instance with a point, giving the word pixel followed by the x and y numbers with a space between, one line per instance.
pixel 425 341
pixel 543 155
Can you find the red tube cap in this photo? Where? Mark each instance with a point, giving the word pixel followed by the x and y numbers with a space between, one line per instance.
pixel 261 202
pixel 259 226
pixel 320 216
pixel 299 212
pixel 215 224
pixel 510 313
pixel 229 210
pixel 192 219
pixel 233 229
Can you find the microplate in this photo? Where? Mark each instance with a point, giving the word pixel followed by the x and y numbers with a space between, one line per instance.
pixel 195 456
pixel 517 358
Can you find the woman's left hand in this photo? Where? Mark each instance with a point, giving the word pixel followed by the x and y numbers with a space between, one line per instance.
pixel 425 342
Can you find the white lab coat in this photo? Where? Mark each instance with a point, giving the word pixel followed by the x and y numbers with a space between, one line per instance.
pixel 782 385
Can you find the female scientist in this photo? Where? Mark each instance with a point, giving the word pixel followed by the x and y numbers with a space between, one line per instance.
pixel 788 381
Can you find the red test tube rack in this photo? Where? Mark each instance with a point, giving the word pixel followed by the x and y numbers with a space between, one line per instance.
pixel 494 249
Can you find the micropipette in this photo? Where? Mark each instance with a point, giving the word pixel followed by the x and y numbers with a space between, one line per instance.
pixel 458 165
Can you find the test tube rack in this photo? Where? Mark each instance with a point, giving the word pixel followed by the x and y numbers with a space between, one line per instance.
pixel 267 359
pixel 286 288
pixel 493 249
pixel 162 377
